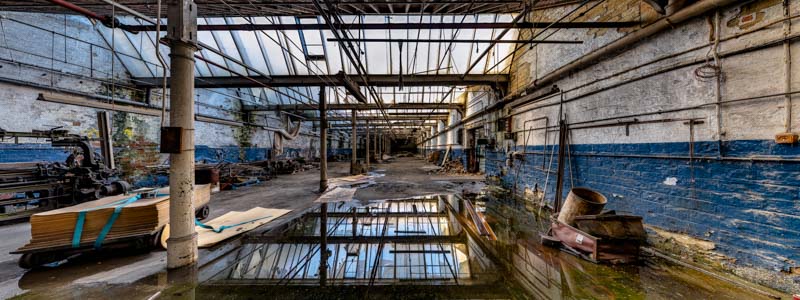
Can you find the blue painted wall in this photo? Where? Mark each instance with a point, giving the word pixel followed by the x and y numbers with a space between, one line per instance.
pixel 30 152
pixel 459 155
pixel 35 152
pixel 340 151
pixel 749 208
pixel 229 154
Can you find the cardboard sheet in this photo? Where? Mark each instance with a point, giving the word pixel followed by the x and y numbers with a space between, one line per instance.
pixel 337 194
pixel 252 218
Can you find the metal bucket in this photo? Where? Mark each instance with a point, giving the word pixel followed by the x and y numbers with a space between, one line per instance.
pixel 581 201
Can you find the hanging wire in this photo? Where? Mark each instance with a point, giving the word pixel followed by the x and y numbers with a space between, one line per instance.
pixel 163 64
pixel 113 51
pixel 710 71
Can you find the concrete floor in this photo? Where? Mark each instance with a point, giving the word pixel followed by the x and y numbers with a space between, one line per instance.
pixel 143 275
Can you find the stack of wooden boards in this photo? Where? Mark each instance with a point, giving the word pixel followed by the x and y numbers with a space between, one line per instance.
pixel 81 225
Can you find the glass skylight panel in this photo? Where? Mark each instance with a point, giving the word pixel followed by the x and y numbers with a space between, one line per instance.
pixel 297 58
pixel 225 43
pixel 311 54
pixel 148 52
pixel 126 52
pixel 250 50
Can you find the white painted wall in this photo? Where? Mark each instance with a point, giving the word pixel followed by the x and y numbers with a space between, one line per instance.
pixel 756 73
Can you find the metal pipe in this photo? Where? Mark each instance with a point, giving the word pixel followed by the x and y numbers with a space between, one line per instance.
pixel 614 47
pixel 674 5
pixel 718 80
pixel 668 69
pixel 85 12
pixel 182 243
pixel 323 142
pixel 787 56
pixel 676 157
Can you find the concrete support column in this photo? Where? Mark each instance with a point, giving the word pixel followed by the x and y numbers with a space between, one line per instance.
pixel 452 135
pixel 323 141
pixel 433 140
pixel 354 146
pixel 182 35
pixel 442 144
pixel 366 147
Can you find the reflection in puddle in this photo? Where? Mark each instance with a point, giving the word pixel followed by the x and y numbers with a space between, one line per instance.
pixel 416 241
pixel 430 247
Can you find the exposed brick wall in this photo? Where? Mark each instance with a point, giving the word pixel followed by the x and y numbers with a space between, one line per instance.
pixel 748 208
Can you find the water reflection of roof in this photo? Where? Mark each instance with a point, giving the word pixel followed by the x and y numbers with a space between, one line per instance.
pixel 410 241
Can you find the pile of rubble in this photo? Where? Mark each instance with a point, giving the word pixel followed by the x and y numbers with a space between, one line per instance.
pixel 233 175
pixel 451 167
pixel 434 157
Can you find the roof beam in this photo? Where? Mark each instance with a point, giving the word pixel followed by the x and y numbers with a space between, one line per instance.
pixel 314 80
pixel 397 26
pixel 345 106
pixel 352 88
pixel 382 125
pixel 379 118
pixel 379 40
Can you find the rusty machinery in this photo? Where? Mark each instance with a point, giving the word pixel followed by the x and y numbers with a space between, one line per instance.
pixel 27 188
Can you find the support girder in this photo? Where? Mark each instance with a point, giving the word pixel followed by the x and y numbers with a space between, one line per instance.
pixel 334 106
pixel 336 80
pixel 396 26
pixel 380 118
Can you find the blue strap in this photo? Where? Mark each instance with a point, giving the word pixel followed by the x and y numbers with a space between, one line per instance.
pixel 110 223
pixel 76 234
pixel 223 227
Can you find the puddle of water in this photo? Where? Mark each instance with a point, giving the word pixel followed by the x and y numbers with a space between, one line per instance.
pixel 428 247
pixel 547 273
pixel 375 248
